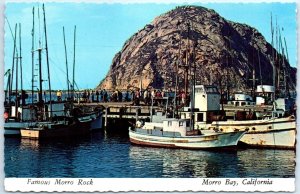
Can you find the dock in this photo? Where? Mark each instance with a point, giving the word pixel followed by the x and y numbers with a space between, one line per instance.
pixel 125 114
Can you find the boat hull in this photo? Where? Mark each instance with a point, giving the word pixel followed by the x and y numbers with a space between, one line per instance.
pixel 218 140
pixel 272 133
pixel 13 128
pixel 53 131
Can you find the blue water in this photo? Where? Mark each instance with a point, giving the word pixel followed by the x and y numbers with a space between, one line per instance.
pixel 110 154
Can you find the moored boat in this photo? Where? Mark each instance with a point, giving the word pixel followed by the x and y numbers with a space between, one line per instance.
pixel 62 127
pixel 268 132
pixel 269 129
pixel 178 133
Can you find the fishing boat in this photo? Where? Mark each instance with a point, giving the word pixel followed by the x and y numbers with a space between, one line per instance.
pixel 273 129
pixel 59 127
pixel 41 114
pixel 272 132
pixel 179 133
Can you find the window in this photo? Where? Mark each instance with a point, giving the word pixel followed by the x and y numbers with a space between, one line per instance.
pixel 187 123
pixel 200 117
pixel 180 123
pixel 169 123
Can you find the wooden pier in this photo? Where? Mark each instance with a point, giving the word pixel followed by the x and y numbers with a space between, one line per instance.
pixel 122 113
pixel 125 114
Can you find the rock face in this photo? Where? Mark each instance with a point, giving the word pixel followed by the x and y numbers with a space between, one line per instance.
pixel 198 40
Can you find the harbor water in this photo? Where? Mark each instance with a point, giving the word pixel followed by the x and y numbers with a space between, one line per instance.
pixel 109 154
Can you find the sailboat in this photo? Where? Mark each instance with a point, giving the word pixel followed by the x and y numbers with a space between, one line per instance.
pixel 51 119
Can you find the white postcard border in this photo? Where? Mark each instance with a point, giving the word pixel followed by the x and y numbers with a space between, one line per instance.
pixel 149 184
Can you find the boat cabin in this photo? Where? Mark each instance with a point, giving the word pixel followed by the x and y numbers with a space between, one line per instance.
pixel 241 99
pixel 177 125
pixel 207 105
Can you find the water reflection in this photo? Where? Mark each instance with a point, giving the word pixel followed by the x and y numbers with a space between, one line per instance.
pixel 191 163
pixel 110 155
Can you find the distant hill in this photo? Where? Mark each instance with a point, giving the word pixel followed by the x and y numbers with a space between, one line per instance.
pixel 225 53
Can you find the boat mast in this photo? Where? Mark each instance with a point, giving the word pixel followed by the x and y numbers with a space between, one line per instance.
pixel 287 55
pixel 73 84
pixel 17 74
pixel 66 56
pixel 177 65
pixel 188 64
pixel 47 58
pixel 273 60
pixel 21 70
pixel 194 82
pixel 16 89
pixel 13 63
pixel 32 57
pixel 40 89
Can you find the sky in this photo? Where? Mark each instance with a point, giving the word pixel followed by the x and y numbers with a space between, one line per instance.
pixel 103 28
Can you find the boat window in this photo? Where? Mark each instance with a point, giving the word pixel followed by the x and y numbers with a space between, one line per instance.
pixel 169 123
pixel 199 90
pixel 180 123
pixel 200 117
pixel 187 123
pixel 211 90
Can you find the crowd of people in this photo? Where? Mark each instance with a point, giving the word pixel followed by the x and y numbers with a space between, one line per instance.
pixel 136 96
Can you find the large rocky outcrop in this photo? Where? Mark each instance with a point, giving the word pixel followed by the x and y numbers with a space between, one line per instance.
pixel 225 53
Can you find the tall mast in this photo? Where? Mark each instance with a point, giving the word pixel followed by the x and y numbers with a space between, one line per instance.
pixel 21 70
pixel 16 91
pixel 40 92
pixel 32 57
pixel 260 76
pixel 194 82
pixel 13 62
pixel 287 67
pixel 66 56
pixel 177 65
pixel 47 58
pixel 273 59
pixel 74 63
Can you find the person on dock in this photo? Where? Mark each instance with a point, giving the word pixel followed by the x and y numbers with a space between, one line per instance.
pixel 58 95
pixel 88 96
pixel 97 95
pixel 104 95
pixel 120 96
pixel 84 94
pixel 132 96
pixel 127 96
pixel 101 96
pixel 145 96
pixel 93 96
pixel 137 97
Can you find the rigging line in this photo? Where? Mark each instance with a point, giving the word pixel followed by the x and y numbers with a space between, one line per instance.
pixel 66 56
pixel 11 32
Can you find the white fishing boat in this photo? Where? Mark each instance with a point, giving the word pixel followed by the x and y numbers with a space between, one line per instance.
pixel 270 132
pixel 29 117
pixel 178 133
pixel 267 129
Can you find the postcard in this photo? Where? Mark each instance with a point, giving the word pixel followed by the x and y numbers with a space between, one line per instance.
pixel 150 96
